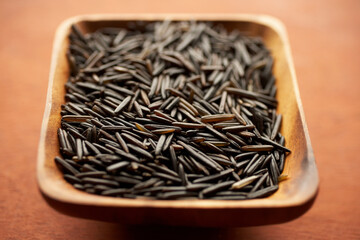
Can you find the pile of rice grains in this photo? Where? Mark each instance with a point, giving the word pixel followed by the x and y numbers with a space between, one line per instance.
pixel 171 110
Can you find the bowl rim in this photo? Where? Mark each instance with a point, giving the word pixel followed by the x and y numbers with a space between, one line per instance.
pixel 65 196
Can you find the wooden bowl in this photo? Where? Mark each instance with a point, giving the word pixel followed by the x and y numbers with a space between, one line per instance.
pixel 294 197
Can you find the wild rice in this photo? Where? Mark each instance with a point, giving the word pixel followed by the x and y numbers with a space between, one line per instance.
pixel 171 110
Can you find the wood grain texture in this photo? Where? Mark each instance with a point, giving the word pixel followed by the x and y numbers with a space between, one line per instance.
pixel 324 39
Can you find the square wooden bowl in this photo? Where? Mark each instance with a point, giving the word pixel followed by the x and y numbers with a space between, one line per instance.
pixel 294 197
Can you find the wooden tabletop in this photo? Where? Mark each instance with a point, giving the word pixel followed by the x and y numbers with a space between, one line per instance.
pixel 324 37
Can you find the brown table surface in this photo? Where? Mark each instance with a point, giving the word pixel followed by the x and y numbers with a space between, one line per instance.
pixel 324 37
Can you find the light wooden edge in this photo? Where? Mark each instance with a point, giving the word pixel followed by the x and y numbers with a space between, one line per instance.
pixel 47 187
